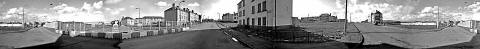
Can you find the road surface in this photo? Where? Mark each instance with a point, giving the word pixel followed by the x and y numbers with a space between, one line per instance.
pixel 204 36
pixel 32 37
pixel 409 38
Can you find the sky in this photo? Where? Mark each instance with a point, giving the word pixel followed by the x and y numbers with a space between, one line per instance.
pixel 358 10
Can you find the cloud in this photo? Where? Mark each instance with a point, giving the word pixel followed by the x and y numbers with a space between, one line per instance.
pixel 112 1
pixel 14 13
pixel 194 4
pixel 87 7
pixel 98 5
pixel 117 11
pixel 475 7
pixel 84 14
pixel 161 3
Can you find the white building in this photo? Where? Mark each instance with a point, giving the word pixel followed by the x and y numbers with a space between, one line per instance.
pixel 265 12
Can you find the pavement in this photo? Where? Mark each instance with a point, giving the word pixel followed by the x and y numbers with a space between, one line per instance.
pixel 203 36
pixel 32 37
pixel 411 38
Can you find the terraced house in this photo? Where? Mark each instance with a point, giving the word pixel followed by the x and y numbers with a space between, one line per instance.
pixel 265 13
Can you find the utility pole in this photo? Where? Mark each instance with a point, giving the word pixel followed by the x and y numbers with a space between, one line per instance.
pixel 346 20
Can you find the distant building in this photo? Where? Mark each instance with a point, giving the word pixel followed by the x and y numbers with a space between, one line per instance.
pixel 73 26
pixel 127 21
pixel 145 20
pixel 321 18
pixel 267 13
pixel 375 17
pixel 149 20
pixel 181 16
pixel 228 17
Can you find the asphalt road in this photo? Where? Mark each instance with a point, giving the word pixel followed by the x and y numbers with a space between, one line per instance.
pixel 412 38
pixel 209 38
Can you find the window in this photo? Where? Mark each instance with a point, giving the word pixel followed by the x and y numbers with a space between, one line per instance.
pixel 248 21
pixel 264 6
pixel 243 21
pixel 243 3
pixel 243 12
pixel 264 21
pixel 259 8
pixel 253 9
pixel 252 0
pixel 253 21
pixel 259 21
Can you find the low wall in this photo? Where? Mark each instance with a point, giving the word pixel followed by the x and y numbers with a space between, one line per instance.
pixel 122 35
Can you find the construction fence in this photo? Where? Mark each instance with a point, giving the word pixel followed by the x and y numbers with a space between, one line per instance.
pixel 104 30
pixel 121 35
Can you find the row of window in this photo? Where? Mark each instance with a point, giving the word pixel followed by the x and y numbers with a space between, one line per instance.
pixel 262 21
pixel 261 7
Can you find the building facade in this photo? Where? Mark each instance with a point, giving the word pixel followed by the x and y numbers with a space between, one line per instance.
pixel 180 16
pixel 265 13
pixel 375 17
pixel 228 17
pixel 127 21
pixel 144 21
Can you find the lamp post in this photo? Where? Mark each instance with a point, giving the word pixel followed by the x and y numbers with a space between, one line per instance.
pixel 346 20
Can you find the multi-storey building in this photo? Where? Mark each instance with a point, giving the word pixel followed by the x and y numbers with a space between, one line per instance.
pixel 267 13
pixel 144 21
pixel 180 16
pixel 375 17
pixel 127 21
pixel 194 17
pixel 228 17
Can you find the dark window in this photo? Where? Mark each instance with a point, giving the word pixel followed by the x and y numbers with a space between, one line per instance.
pixel 264 6
pixel 259 8
pixel 243 21
pixel 253 9
pixel 253 21
pixel 259 21
pixel 264 21
pixel 243 3
pixel 248 21
pixel 252 0
pixel 243 12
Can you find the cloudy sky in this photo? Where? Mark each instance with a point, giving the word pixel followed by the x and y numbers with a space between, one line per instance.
pixel 103 10
pixel 413 10
pixel 107 10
